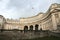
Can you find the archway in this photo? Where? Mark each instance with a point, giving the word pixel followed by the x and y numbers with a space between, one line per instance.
pixel 31 28
pixel 25 28
pixel 40 29
pixel 36 27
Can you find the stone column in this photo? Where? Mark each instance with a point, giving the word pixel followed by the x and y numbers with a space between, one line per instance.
pixel 33 27
pixel 39 27
pixel 42 27
pixel 54 22
pixel 28 27
pixel 59 16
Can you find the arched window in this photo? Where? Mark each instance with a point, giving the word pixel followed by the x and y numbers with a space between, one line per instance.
pixel 36 27
pixel 31 28
pixel 25 28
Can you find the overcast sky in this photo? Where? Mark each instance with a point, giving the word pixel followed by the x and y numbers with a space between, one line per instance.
pixel 24 8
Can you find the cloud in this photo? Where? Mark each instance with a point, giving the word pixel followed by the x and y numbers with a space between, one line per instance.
pixel 0 0
pixel 24 8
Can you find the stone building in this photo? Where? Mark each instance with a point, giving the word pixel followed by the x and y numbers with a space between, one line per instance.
pixel 45 21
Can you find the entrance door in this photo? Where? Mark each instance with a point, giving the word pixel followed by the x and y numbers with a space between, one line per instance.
pixel 31 28
pixel 36 27
pixel 25 28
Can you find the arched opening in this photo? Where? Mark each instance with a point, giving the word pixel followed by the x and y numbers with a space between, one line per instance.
pixel 36 27
pixel 2 28
pixel 40 29
pixel 25 28
pixel 31 28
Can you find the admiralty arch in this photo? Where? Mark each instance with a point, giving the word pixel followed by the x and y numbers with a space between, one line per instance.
pixel 42 21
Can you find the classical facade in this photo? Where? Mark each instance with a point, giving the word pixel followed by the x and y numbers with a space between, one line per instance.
pixel 45 21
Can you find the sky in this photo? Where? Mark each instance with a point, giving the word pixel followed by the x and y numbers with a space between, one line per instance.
pixel 16 9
